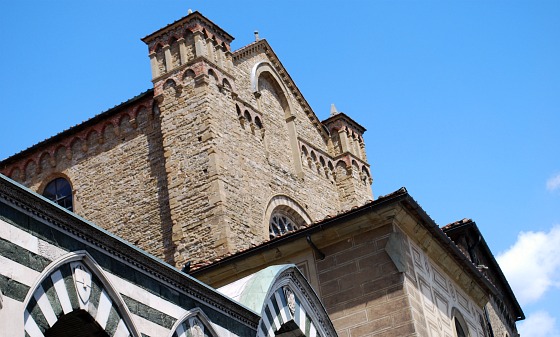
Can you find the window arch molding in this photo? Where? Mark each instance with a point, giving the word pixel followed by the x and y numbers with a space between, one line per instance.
pixel 282 204
pixel 181 326
pixel 52 184
pixel 460 327
pixel 73 259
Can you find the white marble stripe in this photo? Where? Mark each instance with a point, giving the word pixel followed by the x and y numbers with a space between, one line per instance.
pixel 261 334
pixel 270 331
pixel 141 295
pixel 31 326
pixel 19 237
pixel 45 305
pixel 29 242
pixel 274 315
pixel 149 328
pixel 103 309
pixel 61 291
pixel 281 307
pixel 181 331
pixel 122 330
pixel 266 322
pixel 18 272
pixel 312 330
pixel 301 322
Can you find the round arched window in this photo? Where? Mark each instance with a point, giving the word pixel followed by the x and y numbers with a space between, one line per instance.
pixel 60 192
pixel 461 329
pixel 281 223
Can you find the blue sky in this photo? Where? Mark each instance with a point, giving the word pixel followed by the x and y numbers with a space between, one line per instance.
pixel 461 99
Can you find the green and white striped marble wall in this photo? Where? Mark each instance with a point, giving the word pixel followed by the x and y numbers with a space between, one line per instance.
pixel 54 263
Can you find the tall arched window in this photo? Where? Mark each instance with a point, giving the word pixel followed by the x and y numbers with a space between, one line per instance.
pixel 461 329
pixel 59 191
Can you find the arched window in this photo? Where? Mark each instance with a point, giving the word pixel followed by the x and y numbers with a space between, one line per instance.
pixel 461 329
pixel 281 223
pixel 59 191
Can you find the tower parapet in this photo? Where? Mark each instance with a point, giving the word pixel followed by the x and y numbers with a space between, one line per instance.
pixel 185 41
pixel 347 148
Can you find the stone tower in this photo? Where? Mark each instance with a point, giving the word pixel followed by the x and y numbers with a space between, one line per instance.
pixel 241 144
pixel 224 153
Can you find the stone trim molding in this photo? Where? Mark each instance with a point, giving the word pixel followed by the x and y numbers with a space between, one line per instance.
pixel 288 204
pixel 37 206
pixel 186 323
pixel 73 290
pixel 291 299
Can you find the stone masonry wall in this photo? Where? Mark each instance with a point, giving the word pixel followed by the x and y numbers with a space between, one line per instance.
pixel 362 289
pixel 116 175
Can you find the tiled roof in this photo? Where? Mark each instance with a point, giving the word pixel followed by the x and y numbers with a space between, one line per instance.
pixel 400 192
pixel 76 128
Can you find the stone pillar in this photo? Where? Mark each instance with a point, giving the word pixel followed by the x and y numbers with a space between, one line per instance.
pixel 154 65
pixel 220 56
pixel 291 124
pixel 168 60
pixel 199 44
pixel 343 135
pixel 182 50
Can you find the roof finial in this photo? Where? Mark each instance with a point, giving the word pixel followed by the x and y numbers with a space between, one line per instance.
pixel 256 35
pixel 189 11
pixel 333 110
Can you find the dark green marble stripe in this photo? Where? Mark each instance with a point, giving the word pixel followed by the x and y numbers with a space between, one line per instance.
pixel 149 313
pixel 23 256
pixel 66 272
pixel 112 321
pixel 13 289
pixel 48 286
pixel 35 312
pixel 95 295
pixel 276 309
pixel 113 266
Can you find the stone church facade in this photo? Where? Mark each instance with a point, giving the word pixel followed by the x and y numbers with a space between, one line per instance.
pixel 223 170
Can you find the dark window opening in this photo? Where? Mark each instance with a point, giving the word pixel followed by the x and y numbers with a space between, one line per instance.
pixel 289 329
pixel 60 192
pixel 77 323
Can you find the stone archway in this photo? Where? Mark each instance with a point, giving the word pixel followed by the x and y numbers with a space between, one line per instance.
pixel 73 298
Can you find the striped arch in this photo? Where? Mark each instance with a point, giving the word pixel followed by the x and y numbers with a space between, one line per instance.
pixel 194 324
pixel 291 304
pixel 75 282
pixel 282 308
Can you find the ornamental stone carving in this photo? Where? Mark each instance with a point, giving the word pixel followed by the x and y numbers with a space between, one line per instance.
pixel 82 281
pixel 291 299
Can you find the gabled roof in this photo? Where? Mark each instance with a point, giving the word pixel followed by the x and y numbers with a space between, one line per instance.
pixel 285 76
pixel 467 225
pixel 400 197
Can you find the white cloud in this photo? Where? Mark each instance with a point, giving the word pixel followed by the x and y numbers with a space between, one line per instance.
pixel 539 324
pixel 532 264
pixel 553 183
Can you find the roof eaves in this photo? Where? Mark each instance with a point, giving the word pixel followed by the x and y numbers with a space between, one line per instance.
pixel 74 129
pixel 464 225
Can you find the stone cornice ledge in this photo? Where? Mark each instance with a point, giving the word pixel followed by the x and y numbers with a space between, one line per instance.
pixel 65 221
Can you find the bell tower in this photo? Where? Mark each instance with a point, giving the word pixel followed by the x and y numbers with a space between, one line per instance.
pixel 192 67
